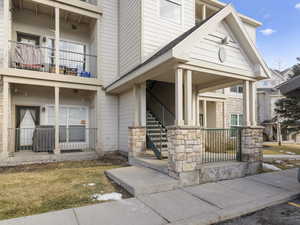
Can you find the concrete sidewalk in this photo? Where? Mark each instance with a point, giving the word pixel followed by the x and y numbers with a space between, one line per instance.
pixel 202 204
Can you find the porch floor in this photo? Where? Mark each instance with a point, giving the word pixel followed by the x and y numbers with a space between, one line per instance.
pixel 30 157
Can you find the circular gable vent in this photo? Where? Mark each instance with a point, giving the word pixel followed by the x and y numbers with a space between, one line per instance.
pixel 222 54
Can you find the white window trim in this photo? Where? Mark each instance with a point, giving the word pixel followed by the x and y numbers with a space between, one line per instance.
pixel 238 119
pixel 168 19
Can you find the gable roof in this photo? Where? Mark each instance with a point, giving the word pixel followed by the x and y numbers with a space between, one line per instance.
pixel 183 41
pixel 163 50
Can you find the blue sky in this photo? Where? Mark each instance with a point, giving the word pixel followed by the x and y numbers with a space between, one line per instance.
pixel 279 38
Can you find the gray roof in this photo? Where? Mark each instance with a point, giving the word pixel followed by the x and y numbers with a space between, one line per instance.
pixel 290 86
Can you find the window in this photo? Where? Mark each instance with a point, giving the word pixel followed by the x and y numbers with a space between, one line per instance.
pixel 72 121
pixel 237 89
pixel 236 120
pixel 171 10
pixel 28 39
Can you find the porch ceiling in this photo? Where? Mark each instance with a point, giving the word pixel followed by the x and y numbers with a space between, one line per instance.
pixel 40 9
pixel 202 81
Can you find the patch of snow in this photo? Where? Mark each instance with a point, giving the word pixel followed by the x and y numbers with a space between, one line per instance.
pixel 270 167
pixel 290 165
pixel 107 197
pixel 279 161
pixel 90 185
pixel 291 153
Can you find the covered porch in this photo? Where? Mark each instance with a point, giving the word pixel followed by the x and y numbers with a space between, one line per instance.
pixel 45 120
pixel 213 55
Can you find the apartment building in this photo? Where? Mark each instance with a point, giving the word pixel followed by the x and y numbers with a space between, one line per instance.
pixel 100 76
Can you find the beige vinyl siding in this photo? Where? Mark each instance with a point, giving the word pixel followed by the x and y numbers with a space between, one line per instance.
pixel 109 40
pixel 125 118
pixel 251 30
pixel 208 50
pixel 1 32
pixel 129 34
pixel 109 72
pixel 157 32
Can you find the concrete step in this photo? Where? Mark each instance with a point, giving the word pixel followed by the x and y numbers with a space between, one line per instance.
pixel 139 181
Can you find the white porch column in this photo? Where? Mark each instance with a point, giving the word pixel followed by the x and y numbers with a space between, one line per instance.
pixel 179 97
pixel 204 113
pixel 99 50
pixel 188 92
pixel 224 115
pixel 203 9
pixel 195 98
pixel 99 147
pixel 5 122
pixel 7 32
pixel 246 103
pixel 137 107
pixel 253 107
pixel 143 104
pixel 197 111
pixel 56 148
pixel 57 39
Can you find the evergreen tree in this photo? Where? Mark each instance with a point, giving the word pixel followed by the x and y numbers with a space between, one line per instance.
pixel 288 109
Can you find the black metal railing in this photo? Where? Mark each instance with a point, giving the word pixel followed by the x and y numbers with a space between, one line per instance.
pixel 42 59
pixel 42 139
pixel 159 110
pixel 221 145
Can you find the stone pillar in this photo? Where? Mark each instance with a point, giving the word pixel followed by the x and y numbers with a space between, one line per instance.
pixel 185 151
pixel 137 141
pixel 251 147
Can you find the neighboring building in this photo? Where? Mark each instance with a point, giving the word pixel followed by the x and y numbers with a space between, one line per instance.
pixel 267 96
pixel 82 76
pixel 287 73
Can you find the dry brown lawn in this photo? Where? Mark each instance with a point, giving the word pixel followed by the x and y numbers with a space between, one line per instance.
pixel 27 190
pixel 274 149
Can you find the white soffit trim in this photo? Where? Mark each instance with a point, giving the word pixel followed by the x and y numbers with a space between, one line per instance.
pixel 182 49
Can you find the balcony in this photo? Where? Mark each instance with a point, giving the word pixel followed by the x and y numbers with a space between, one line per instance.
pixel 42 59
pixel 53 40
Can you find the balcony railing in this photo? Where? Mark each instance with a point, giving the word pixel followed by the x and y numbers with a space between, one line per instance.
pixel 42 59
pixel 42 139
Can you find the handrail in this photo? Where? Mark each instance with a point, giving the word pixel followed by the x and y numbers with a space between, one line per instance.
pixel 44 47
pixel 162 104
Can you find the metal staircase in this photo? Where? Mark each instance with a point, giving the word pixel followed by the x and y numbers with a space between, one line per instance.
pixel 158 118
pixel 156 136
